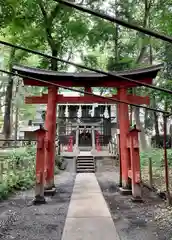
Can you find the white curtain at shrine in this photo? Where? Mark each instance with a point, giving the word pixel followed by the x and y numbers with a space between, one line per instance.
pixel 106 113
pixel 67 111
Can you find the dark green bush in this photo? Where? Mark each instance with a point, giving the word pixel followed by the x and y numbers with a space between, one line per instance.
pixel 19 171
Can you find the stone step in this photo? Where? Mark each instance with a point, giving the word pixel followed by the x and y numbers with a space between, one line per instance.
pixel 85 157
pixel 85 164
pixel 85 171
pixel 85 161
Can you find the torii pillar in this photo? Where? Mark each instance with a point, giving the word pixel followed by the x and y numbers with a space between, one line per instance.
pixel 124 124
pixel 50 125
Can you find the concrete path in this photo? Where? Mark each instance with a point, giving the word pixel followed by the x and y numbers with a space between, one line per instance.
pixel 88 216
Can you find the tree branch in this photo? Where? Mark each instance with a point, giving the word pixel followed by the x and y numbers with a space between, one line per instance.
pixel 145 23
pixel 47 26
pixel 69 57
pixel 2 94
pixel 53 14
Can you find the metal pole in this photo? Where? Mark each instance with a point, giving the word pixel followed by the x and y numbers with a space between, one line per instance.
pixel 166 161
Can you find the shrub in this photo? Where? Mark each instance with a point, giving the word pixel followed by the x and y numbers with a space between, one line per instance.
pixel 18 170
pixel 157 155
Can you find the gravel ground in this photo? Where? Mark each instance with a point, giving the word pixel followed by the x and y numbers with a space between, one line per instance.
pixel 142 221
pixel 150 220
pixel 20 222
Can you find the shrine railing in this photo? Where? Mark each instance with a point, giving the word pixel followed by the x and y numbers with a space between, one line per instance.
pixel 19 143
pixel 10 143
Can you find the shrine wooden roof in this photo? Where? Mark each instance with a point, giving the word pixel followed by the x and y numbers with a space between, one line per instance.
pixel 85 78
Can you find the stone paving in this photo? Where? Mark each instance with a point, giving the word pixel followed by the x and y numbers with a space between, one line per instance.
pixel 88 216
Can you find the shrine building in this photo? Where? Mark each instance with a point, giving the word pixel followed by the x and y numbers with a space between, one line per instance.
pixel 85 117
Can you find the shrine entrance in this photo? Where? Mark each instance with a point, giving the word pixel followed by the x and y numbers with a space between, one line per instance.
pixel 85 136
pixel 128 138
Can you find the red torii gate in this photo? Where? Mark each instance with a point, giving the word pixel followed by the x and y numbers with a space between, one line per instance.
pixel 128 138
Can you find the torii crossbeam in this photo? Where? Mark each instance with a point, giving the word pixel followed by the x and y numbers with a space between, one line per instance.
pixel 60 99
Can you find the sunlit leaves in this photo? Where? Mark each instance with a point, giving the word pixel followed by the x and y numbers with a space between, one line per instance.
pixel 6 12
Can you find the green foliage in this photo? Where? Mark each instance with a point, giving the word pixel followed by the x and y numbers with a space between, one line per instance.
pixel 158 168
pixel 124 64
pixel 157 156
pixel 19 171
pixel 6 12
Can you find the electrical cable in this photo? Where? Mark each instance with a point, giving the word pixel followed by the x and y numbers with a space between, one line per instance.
pixel 86 68
pixel 117 20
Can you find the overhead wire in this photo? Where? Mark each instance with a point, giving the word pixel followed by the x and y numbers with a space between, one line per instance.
pixel 110 74
pixel 117 20
pixel 89 68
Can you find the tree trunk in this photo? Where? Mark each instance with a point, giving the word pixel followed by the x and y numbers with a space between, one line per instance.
pixel 143 142
pixel 157 134
pixel 156 125
pixel 54 66
pixel 145 119
pixel 8 100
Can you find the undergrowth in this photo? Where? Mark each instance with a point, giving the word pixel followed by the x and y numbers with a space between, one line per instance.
pixel 158 168
pixel 18 167
pixel 157 156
